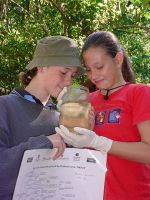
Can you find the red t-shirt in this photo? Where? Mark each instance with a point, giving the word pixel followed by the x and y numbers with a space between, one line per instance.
pixel 117 119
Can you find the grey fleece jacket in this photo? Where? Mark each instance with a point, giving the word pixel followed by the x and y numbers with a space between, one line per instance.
pixel 23 126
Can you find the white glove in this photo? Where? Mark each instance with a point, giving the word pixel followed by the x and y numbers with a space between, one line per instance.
pixel 59 98
pixel 85 138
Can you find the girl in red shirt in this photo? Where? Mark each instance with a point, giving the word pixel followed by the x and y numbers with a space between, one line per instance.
pixel 122 119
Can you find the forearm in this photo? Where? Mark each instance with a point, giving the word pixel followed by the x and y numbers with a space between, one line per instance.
pixel 10 159
pixel 134 151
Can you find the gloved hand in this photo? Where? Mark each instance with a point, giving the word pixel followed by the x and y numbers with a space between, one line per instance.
pixel 59 98
pixel 85 138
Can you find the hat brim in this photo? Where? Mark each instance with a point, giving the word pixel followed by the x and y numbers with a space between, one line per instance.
pixel 61 61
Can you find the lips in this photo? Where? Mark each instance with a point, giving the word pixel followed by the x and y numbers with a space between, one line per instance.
pixel 99 81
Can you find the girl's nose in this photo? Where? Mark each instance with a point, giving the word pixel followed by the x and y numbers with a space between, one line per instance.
pixel 68 80
pixel 93 75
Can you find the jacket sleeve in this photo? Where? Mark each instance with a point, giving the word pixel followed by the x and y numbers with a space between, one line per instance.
pixel 10 158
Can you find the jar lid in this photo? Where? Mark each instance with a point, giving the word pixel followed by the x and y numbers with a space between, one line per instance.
pixel 76 93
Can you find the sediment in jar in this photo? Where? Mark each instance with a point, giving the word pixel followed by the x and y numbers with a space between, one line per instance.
pixel 75 114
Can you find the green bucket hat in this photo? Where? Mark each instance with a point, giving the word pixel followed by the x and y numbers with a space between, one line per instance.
pixel 56 51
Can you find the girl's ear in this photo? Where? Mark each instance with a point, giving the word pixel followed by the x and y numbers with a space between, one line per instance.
pixel 119 58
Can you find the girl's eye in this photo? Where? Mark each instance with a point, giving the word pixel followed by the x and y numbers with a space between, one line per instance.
pixel 100 67
pixel 64 73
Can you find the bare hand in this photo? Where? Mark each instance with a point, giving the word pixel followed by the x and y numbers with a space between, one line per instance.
pixel 58 143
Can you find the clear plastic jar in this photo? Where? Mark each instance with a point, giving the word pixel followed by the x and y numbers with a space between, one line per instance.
pixel 74 111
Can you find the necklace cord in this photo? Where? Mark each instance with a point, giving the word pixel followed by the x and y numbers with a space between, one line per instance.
pixel 106 96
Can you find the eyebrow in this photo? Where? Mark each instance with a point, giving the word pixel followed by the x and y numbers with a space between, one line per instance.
pixel 94 65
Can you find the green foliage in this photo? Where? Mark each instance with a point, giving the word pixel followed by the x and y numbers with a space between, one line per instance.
pixel 23 22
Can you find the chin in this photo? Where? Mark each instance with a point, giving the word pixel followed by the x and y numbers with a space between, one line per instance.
pixel 101 86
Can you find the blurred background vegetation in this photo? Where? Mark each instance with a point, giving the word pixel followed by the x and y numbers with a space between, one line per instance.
pixel 23 22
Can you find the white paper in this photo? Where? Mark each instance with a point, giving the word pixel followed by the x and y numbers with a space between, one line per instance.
pixel 78 175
